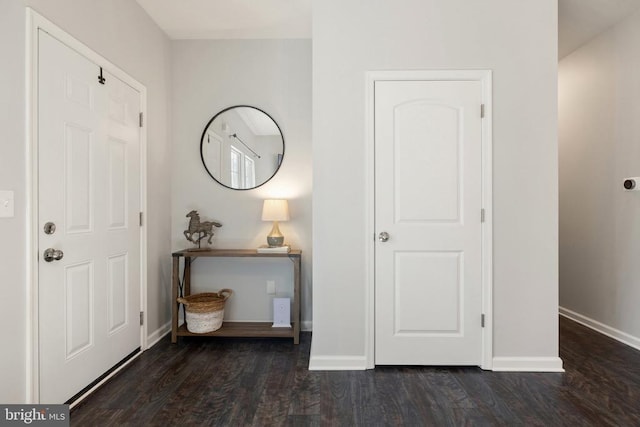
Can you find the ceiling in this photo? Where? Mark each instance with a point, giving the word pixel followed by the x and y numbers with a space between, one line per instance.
pixel 581 20
pixel 231 19
pixel 578 20
pixel 258 122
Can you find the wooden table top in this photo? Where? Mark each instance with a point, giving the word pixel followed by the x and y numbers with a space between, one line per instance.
pixel 191 253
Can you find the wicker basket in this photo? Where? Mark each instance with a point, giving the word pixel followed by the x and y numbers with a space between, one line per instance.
pixel 205 311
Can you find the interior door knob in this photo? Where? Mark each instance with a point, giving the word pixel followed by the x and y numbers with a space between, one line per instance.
pixel 383 236
pixel 51 254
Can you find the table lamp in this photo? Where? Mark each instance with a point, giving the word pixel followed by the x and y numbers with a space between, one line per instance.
pixel 275 210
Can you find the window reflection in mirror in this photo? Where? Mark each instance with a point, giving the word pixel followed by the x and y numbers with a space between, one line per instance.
pixel 242 147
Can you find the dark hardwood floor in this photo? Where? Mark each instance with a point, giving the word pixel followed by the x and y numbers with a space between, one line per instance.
pixel 238 382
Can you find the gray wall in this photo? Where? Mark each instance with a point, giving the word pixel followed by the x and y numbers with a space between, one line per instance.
pixel 122 32
pixel 275 76
pixel 13 286
pixel 518 41
pixel 599 138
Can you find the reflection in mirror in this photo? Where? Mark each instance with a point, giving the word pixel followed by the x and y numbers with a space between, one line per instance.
pixel 242 147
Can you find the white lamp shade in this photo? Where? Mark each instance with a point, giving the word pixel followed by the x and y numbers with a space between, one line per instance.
pixel 275 210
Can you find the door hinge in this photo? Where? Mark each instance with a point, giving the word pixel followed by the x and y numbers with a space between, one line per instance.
pixel 140 219
pixel 482 111
pixel 141 318
pixel 481 320
pixel 141 119
pixel 481 215
pixel 101 78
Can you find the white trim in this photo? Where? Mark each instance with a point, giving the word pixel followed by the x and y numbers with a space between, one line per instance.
pixel 600 327
pixel 485 78
pixel 144 342
pixel 337 363
pixel 487 226
pixel 527 364
pixel 35 22
pixel 370 223
pixel 306 326
pixel 31 161
pixel 158 334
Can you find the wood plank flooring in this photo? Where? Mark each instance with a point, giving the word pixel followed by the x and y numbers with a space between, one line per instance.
pixel 265 382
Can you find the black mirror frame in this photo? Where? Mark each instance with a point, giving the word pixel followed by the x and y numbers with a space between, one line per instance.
pixel 204 132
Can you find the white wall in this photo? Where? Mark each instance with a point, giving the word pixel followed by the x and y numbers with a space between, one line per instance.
pixel 122 32
pixel 518 41
pixel 599 139
pixel 275 76
pixel 13 288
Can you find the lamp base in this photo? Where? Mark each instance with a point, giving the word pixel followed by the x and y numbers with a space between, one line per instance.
pixel 275 238
pixel 275 242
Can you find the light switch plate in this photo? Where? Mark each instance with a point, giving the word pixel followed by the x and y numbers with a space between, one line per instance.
pixel 6 204
pixel 281 313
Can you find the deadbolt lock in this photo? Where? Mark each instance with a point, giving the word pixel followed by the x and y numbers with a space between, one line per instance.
pixel 49 228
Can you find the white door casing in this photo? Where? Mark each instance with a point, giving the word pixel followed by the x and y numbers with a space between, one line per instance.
pixel 212 153
pixel 432 278
pixel 89 186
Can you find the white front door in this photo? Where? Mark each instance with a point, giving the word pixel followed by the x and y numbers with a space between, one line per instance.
pixel 428 183
pixel 89 188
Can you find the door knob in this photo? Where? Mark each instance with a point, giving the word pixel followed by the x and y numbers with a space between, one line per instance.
pixel 52 255
pixel 383 237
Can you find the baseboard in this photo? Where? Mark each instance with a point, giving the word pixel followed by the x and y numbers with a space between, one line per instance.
pixel 306 326
pixel 600 327
pixel 337 363
pixel 158 334
pixel 527 364
pixel 505 364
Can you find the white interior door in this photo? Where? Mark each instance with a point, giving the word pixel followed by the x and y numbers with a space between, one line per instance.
pixel 428 182
pixel 89 187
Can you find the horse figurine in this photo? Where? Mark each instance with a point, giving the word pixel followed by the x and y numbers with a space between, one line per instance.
pixel 199 230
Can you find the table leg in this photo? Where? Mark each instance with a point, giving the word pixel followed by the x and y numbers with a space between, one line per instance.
pixel 174 295
pixel 296 300
pixel 187 276
pixel 187 282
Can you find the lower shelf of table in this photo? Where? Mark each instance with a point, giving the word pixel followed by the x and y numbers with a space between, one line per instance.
pixel 242 329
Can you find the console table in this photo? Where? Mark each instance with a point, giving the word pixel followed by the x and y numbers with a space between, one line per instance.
pixel 234 329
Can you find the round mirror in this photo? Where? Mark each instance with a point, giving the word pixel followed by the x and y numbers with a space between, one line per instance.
pixel 242 147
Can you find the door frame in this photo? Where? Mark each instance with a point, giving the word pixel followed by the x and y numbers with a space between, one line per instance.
pixel 35 23
pixel 485 78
